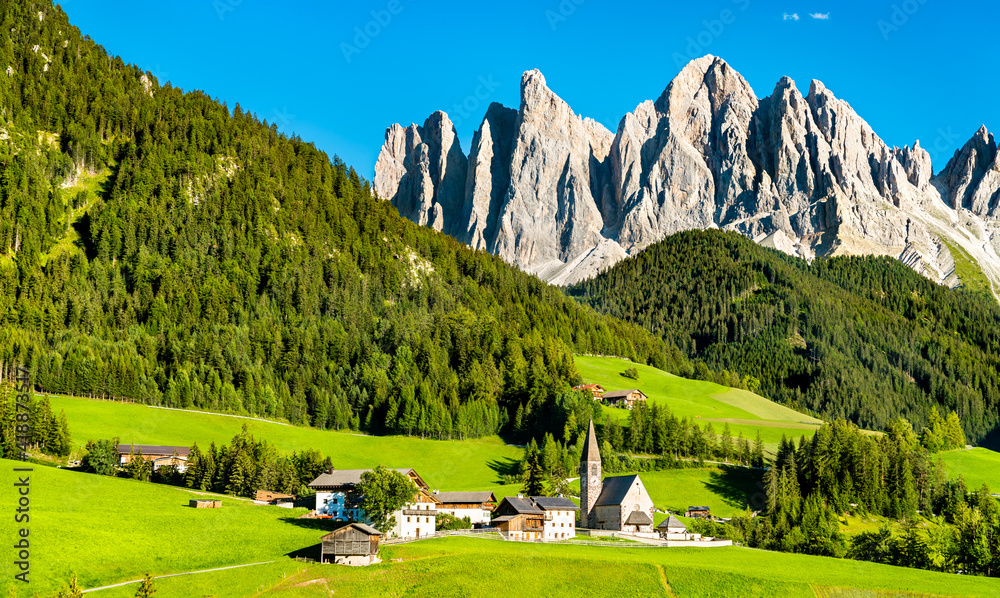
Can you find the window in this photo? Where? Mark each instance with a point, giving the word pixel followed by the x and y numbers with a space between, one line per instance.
pixel 407 519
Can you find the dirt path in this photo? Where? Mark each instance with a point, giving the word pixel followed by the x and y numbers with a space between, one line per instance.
pixel 666 586
pixel 125 583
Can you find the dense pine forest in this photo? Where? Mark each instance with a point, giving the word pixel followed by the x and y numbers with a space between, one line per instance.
pixel 158 246
pixel 859 338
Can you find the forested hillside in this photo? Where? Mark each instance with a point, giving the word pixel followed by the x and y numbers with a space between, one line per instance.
pixel 861 338
pixel 158 246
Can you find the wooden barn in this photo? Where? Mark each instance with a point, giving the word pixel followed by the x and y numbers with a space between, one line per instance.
pixel 519 519
pixel 275 498
pixel 699 512
pixel 353 544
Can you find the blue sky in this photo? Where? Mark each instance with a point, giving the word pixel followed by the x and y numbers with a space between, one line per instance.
pixel 339 73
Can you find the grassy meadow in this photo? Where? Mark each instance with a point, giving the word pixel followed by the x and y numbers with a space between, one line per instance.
pixel 443 464
pixel 110 530
pixel 107 530
pixel 975 465
pixel 699 401
pixel 461 567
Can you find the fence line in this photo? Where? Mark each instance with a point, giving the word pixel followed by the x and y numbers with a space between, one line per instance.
pixel 490 533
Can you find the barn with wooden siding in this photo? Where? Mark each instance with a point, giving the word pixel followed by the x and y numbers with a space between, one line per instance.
pixel 353 544
pixel 519 519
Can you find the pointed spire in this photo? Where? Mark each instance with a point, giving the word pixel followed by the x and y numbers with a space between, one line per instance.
pixel 591 452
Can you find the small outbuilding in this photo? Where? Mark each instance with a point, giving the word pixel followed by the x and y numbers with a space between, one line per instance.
pixel 699 512
pixel 198 503
pixel 353 544
pixel 275 498
pixel 672 529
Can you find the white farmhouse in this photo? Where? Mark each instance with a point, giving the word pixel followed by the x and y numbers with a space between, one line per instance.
pixel 559 522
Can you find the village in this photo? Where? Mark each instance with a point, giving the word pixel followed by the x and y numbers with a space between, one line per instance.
pixel 613 508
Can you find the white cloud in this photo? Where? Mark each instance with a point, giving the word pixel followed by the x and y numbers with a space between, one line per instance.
pixel 822 16
pixel 791 17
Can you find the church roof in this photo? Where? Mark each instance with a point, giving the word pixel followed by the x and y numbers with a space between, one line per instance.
pixel 615 489
pixel 591 452
pixel 639 518
pixel 671 522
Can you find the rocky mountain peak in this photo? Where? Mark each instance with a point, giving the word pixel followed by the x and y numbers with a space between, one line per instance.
pixel 971 175
pixel 561 196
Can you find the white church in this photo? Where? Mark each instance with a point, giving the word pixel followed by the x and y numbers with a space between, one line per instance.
pixel 618 503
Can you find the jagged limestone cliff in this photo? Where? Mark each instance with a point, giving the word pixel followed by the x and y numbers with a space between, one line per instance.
pixel 561 196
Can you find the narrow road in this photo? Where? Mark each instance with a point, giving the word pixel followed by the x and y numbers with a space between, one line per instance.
pixel 125 583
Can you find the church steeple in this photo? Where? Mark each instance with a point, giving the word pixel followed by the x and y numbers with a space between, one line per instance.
pixel 590 478
pixel 591 452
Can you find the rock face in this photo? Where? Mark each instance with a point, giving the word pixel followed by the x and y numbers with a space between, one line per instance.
pixel 561 196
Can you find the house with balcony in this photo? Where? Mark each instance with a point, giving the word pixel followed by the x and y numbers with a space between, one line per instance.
pixel 337 499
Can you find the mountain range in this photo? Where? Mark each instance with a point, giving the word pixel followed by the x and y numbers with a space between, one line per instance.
pixel 561 196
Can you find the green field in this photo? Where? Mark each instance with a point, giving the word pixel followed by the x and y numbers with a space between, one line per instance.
pixel 700 401
pixel 976 466
pixel 109 530
pixel 463 567
pixel 444 465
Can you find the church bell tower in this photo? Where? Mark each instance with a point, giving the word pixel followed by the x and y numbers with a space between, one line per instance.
pixel 590 479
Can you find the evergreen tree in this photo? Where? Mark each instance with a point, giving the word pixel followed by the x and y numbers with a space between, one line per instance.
pixel 533 473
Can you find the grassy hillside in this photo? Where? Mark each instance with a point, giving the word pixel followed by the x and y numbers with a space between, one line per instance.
pixel 859 338
pixel 458 567
pixel 107 530
pixel 700 401
pixel 445 465
pixel 976 466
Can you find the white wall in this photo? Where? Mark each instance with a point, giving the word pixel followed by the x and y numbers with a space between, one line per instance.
pixel 474 515
pixel 561 526
pixel 411 526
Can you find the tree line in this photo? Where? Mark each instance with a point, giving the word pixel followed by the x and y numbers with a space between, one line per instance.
pixel 822 337
pixel 49 434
